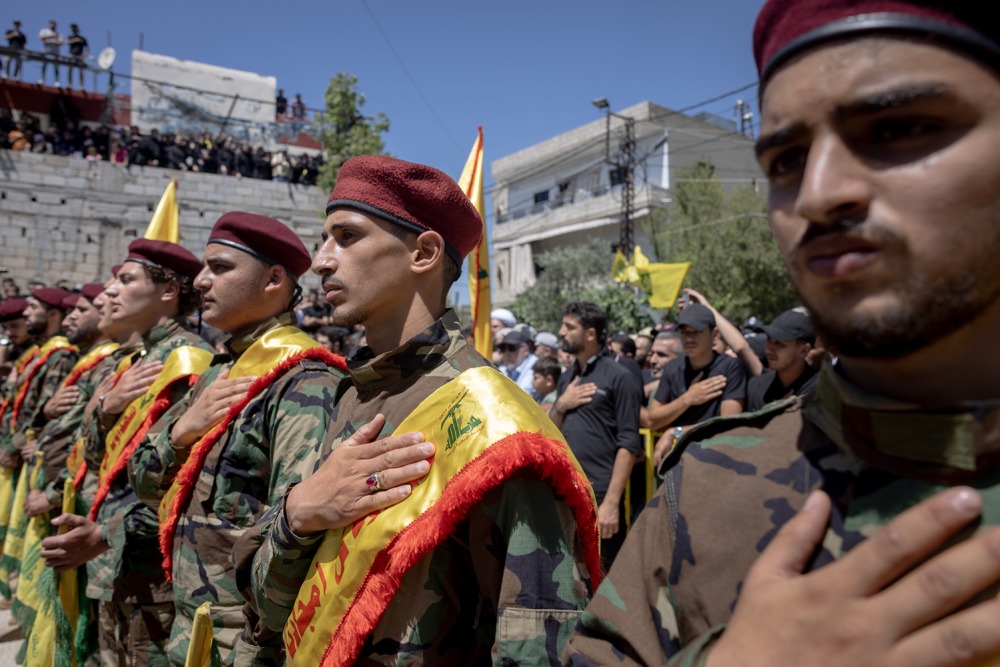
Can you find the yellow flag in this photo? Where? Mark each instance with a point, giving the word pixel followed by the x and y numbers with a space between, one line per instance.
pixel 164 225
pixel 471 183
pixel 662 282
pixel 200 649
pixel 618 268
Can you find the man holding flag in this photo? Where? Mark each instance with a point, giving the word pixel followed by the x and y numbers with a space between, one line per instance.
pixel 152 292
pixel 490 557
pixel 249 428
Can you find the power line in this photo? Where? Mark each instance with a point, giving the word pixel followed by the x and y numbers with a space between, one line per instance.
pixel 402 66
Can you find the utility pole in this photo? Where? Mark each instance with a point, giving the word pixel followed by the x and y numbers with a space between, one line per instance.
pixel 744 118
pixel 625 164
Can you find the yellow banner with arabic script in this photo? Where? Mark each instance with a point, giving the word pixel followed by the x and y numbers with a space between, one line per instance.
pixel 186 360
pixel 471 418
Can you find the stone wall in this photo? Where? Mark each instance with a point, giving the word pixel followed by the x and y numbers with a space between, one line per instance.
pixel 66 218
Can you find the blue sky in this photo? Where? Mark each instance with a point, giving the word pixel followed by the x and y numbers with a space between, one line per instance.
pixel 525 71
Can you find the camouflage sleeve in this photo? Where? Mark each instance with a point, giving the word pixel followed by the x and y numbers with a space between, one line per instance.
pixel 632 619
pixel 271 563
pixel 57 438
pixel 155 464
pixel 538 581
pixel 57 367
pixel 298 417
pixel 137 522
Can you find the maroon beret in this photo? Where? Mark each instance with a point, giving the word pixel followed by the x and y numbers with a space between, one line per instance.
pixel 53 297
pixel 414 196
pixel 267 239
pixel 785 28
pixel 70 301
pixel 92 290
pixel 164 254
pixel 12 309
pixel 115 269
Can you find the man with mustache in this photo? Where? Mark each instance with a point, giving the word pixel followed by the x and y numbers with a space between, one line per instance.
pixel 249 428
pixel 816 532
pixel 152 293
pixel 488 559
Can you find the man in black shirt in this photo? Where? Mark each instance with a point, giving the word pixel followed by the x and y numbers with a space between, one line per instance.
pixel 702 385
pixel 598 413
pixel 78 50
pixel 789 340
pixel 15 40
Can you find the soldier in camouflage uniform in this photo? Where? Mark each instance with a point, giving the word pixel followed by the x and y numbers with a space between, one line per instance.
pixel 815 531
pixel 507 585
pixel 152 292
pixel 249 285
pixel 44 315
pixel 66 409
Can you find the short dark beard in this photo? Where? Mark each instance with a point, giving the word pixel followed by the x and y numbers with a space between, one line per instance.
pixel 929 311
pixel 84 336
pixel 36 329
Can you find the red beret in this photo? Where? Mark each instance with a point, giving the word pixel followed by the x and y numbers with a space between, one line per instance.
pixel 267 239
pixel 53 297
pixel 413 196
pixel 164 254
pixel 92 290
pixel 70 301
pixel 788 27
pixel 115 269
pixel 12 309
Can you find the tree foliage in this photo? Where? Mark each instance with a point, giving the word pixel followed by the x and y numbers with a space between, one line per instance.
pixel 345 130
pixel 735 262
pixel 579 273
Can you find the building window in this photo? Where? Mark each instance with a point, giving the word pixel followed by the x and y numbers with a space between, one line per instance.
pixel 542 196
pixel 615 176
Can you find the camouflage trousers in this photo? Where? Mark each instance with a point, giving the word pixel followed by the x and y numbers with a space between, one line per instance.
pixel 134 635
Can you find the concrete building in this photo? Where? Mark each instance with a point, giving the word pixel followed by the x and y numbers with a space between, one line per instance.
pixel 64 218
pixel 562 192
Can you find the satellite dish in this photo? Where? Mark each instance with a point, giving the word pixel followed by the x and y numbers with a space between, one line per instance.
pixel 106 59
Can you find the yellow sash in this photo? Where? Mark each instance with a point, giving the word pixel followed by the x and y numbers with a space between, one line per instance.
pixel 478 423
pixel 267 358
pixel 88 361
pixel 50 347
pixel 141 413
pixel 19 365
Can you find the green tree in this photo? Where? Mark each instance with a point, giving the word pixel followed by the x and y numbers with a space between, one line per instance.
pixel 345 131
pixel 735 262
pixel 579 273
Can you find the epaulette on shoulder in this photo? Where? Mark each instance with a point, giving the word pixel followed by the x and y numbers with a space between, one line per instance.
pixel 716 425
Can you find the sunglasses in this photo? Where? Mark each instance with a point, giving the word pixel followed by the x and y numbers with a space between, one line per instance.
pixel 507 348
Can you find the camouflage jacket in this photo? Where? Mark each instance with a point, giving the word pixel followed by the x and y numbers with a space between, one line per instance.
pixel 272 444
pixel 87 384
pixel 732 482
pixel 130 571
pixel 57 437
pixel 43 384
pixel 505 588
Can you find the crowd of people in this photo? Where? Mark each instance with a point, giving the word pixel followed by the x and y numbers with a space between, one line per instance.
pixel 827 488
pixel 205 152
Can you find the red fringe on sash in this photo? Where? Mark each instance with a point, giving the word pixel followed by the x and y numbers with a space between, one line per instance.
pixel 520 451
pixel 81 472
pixel 189 472
pixel 80 370
pixel 22 390
pixel 156 411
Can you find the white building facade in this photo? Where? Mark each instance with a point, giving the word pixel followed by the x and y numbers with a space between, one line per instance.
pixel 563 192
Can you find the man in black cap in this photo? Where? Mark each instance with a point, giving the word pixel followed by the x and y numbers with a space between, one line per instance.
pixel 701 385
pixel 790 339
